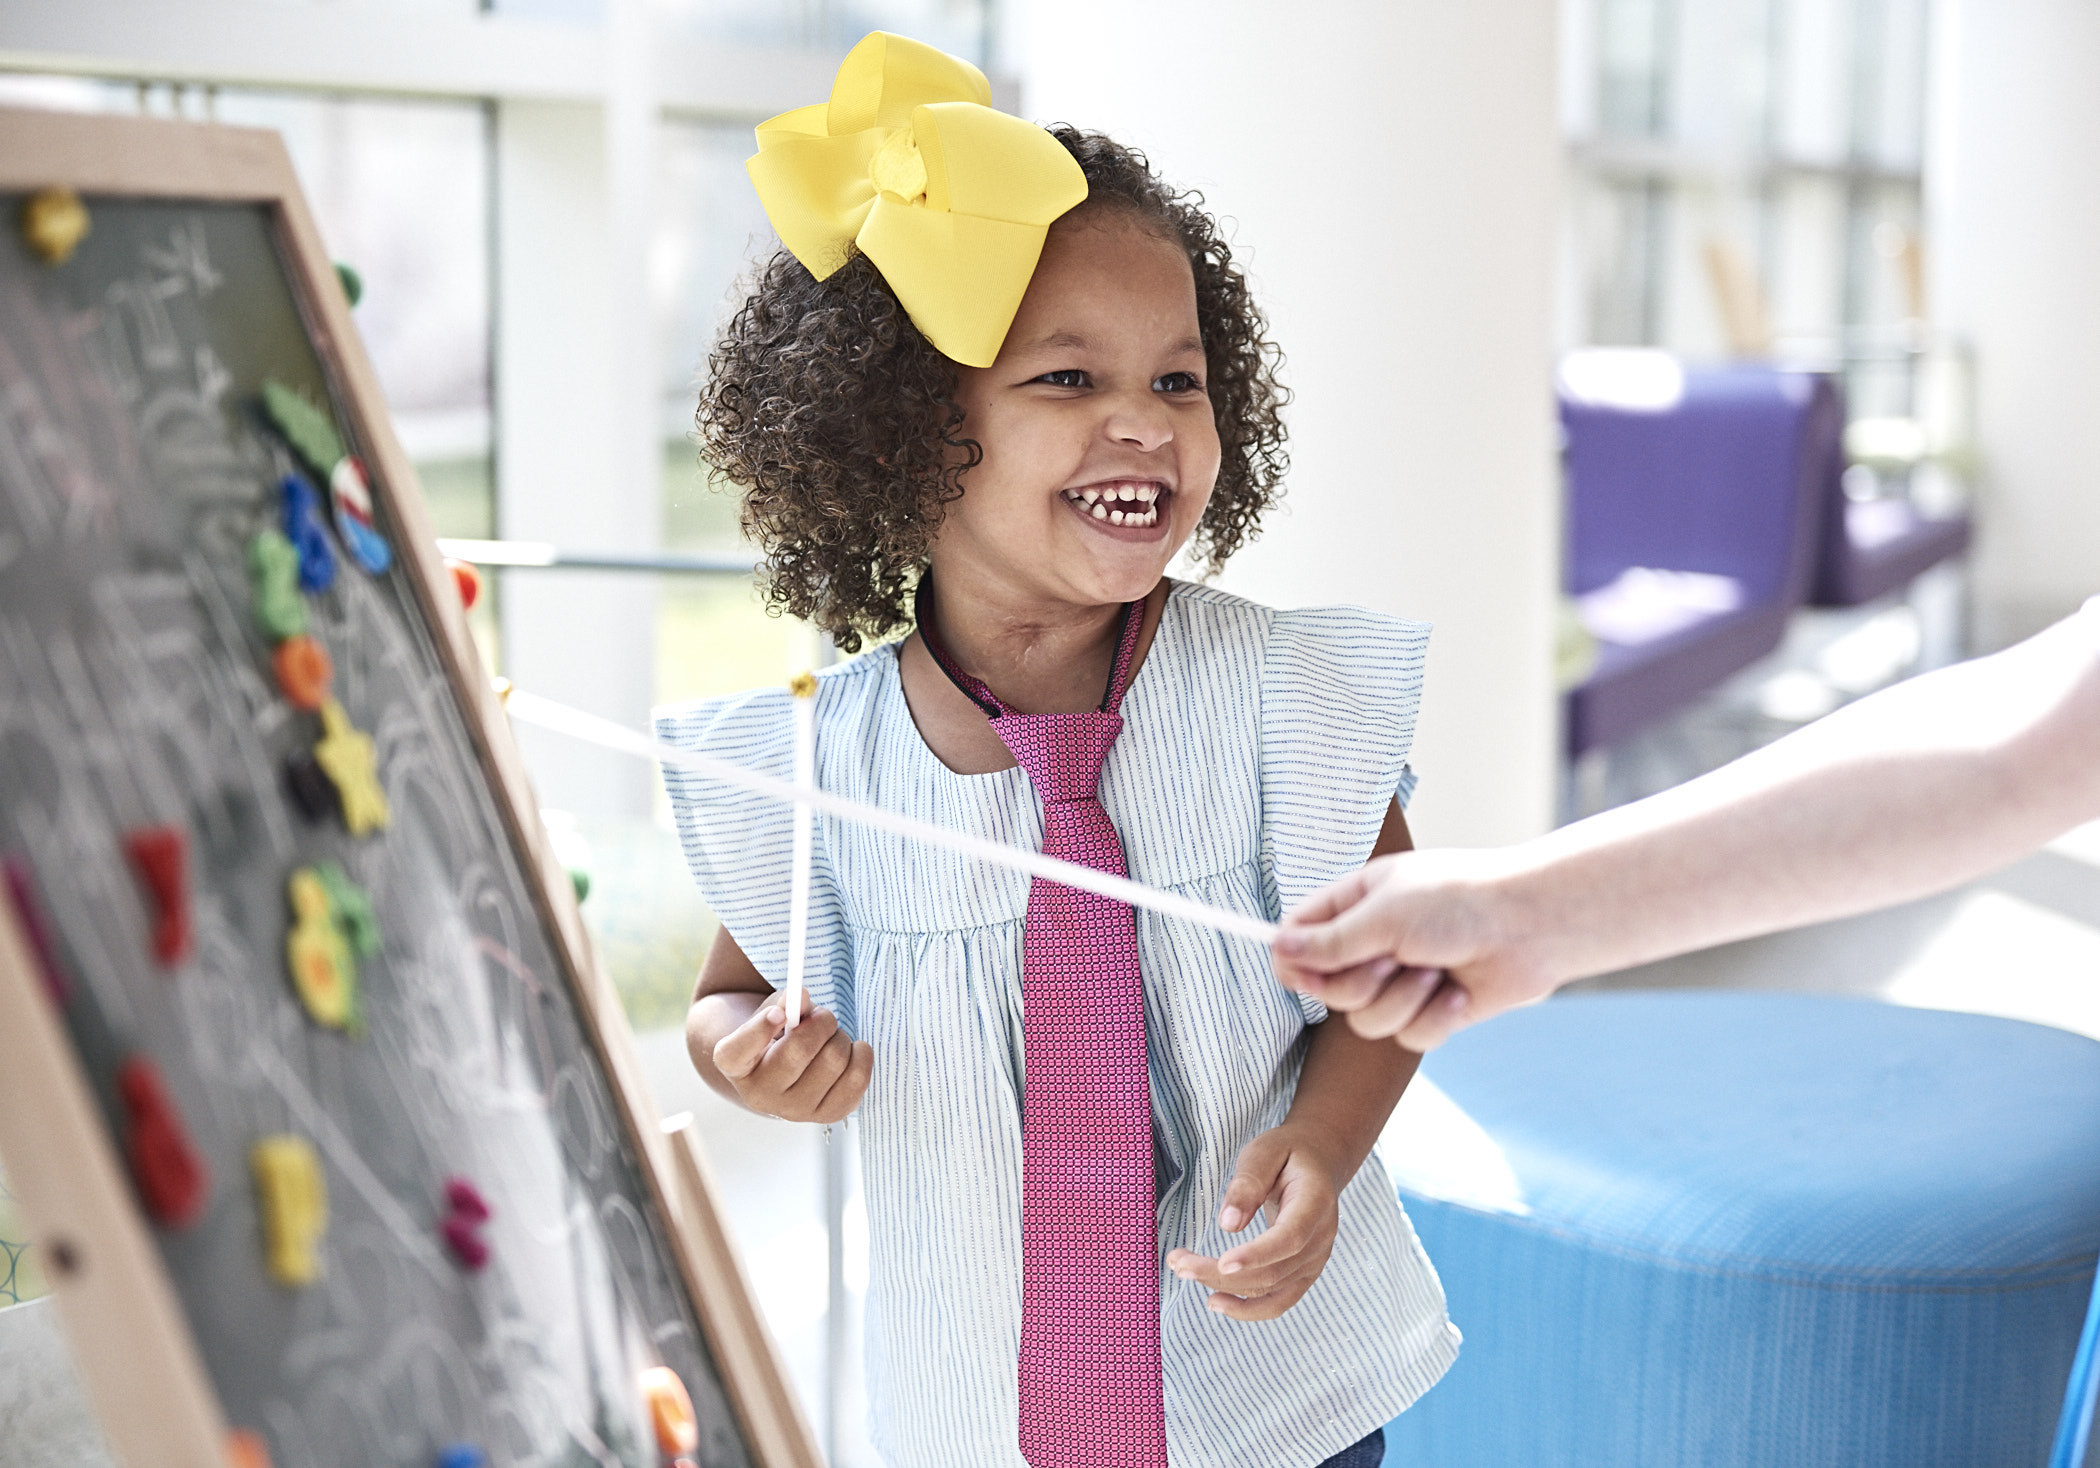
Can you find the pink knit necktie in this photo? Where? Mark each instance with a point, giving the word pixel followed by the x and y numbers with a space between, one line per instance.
pixel 1090 1366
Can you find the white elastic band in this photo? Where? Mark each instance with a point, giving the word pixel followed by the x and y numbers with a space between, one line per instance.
pixel 532 709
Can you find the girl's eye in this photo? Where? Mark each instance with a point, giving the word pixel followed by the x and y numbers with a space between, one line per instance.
pixel 1067 377
pixel 1177 382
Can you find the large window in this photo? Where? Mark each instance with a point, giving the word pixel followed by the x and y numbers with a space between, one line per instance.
pixel 1744 174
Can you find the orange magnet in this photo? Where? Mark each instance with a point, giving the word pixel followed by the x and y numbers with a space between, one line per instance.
pixel 160 857
pixel 171 1175
pixel 303 672
pixel 294 1199
pixel 346 754
pixel 246 1448
pixel 467 581
pixel 670 1410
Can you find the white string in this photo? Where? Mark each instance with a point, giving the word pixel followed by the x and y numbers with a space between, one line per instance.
pixel 532 709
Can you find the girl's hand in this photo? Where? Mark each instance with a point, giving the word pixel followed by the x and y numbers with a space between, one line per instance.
pixel 813 1074
pixel 1283 1171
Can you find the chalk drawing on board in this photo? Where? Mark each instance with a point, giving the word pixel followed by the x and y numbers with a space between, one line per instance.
pixel 134 692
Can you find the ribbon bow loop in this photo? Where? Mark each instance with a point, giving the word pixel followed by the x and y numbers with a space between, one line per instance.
pixel 908 161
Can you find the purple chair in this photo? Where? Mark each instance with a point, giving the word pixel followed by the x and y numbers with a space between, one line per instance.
pixel 1725 479
pixel 1873 547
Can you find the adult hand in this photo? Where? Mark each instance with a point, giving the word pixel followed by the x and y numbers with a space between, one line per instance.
pixel 812 1073
pixel 1414 946
pixel 1284 1171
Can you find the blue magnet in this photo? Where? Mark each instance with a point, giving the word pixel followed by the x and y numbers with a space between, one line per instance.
pixel 303 528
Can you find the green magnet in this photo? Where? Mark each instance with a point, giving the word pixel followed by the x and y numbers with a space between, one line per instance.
pixel 307 428
pixel 273 578
pixel 353 283
pixel 352 908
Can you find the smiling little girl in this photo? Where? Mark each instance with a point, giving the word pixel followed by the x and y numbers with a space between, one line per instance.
pixel 997 380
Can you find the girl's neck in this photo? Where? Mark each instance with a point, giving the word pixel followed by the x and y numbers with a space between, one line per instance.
pixel 1038 656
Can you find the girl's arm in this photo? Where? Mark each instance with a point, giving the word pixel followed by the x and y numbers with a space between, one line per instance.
pixel 734 1033
pixel 1926 784
pixel 1347 1089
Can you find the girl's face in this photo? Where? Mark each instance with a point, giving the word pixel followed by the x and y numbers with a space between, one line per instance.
pixel 1100 449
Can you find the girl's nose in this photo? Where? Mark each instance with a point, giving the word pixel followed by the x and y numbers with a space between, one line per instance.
pixel 1141 421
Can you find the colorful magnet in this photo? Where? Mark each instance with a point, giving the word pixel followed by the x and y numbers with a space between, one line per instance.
pixel 466 580
pixel 351 908
pixel 305 426
pixel 247 1448
pixel 304 672
pixel 160 857
pixel 294 1199
pixel 465 1215
pixel 670 1410
pixel 303 528
pixel 353 517
pixel 273 583
pixel 353 284
pixel 21 892
pixel 171 1174
pixel 463 1455
pixel 54 222
pixel 311 789
pixel 323 971
pixel 346 754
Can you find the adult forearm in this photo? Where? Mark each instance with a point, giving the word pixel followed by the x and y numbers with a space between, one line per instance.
pixel 1910 791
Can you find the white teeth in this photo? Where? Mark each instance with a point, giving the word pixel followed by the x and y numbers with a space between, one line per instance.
pixel 1091 495
pixel 1100 512
pixel 1115 517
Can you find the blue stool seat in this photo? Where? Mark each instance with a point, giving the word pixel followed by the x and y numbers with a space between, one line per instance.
pixel 1752 1229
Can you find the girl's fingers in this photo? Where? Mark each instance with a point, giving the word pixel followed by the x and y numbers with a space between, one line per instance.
pixel 1271 1303
pixel 1307 1220
pixel 846 1091
pixel 739 1052
pixel 816 1078
pixel 1254 1177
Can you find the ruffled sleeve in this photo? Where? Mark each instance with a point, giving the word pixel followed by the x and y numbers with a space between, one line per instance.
pixel 1340 690
pixel 740 845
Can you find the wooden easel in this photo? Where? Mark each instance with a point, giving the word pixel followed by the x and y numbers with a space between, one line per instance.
pixel 125 1320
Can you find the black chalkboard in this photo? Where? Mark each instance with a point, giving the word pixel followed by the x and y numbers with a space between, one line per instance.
pixel 139 711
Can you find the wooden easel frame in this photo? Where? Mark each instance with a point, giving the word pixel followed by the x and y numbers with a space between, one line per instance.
pixel 121 1314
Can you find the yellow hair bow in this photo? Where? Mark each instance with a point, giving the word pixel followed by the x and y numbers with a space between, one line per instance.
pixel 949 198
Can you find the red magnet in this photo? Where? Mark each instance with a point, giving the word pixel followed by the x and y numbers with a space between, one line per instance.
pixel 465 1213
pixel 160 856
pixel 21 891
pixel 467 581
pixel 171 1175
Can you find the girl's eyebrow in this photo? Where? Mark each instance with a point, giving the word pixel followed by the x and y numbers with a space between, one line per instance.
pixel 1068 340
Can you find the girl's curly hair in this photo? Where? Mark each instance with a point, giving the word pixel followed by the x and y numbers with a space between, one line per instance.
pixel 839 419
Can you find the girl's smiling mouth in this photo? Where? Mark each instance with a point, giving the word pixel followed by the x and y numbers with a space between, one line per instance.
pixel 1122 504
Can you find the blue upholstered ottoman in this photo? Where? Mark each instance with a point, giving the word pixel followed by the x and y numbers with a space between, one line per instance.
pixel 1752 1229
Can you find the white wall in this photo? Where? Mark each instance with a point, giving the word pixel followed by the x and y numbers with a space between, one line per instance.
pixel 1392 169
pixel 2013 192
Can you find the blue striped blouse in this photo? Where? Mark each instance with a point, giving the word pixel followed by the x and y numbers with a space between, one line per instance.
pixel 1259 753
